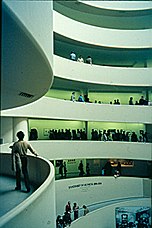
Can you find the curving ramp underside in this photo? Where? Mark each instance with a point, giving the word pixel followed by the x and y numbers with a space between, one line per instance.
pixel 26 68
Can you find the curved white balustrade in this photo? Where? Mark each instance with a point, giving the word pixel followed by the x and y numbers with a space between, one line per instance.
pixel 112 14
pixel 53 150
pixel 38 210
pixel 101 36
pixel 122 76
pixel 91 190
pixel 100 217
pixel 119 5
pixel 51 109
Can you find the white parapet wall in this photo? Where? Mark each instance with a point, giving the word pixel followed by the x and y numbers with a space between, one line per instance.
pixel 92 190
pixel 38 210
pixel 106 217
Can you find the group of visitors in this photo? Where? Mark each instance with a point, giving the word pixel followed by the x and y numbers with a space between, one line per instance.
pixel 80 59
pixel 85 98
pixel 65 220
pixel 80 98
pixel 63 169
pixel 118 135
pixel 99 135
pixel 142 101
pixel 67 134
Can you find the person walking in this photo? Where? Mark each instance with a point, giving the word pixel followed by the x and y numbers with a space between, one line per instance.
pixel 75 211
pixel 19 160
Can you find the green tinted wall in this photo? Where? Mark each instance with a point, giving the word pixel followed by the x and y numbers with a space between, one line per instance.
pixel 130 127
pixel 43 126
pixel 104 97
pixel 61 94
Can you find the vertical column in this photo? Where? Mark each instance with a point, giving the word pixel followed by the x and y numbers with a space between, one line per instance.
pixel 20 124
pixel 86 128
pixel 147 95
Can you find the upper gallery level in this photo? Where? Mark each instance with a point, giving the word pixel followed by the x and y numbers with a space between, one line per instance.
pixel 99 36
pixel 99 75
pixel 108 14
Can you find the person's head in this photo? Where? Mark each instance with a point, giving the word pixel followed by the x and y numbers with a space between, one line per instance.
pixel 84 206
pixel 20 135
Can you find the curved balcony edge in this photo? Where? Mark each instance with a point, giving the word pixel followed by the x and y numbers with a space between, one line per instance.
pixel 46 189
pixel 51 109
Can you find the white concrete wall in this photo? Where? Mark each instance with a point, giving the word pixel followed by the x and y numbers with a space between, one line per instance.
pixel 109 37
pixel 54 150
pixel 51 108
pixel 92 190
pixel 72 70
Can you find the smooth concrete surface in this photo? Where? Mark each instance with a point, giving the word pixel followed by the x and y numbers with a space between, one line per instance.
pixel 110 37
pixel 91 190
pixel 51 109
pixel 9 198
pixel 38 209
pixel 101 75
pixel 105 217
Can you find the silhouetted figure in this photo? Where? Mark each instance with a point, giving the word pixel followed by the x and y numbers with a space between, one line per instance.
pixel 86 99
pixel 67 218
pixel 68 207
pixel 134 137
pixel 118 102
pixel 80 167
pixel 33 134
pixel 87 170
pixel 61 169
pixel 65 169
pixel 145 137
pixel 19 160
pixel 59 222
pixel 131 101
pixel 108 169
pixel 75 210
pixel 142 100
pixel 118 168
pixel 104 136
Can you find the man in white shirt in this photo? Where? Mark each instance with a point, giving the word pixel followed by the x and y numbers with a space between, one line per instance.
pixel 19 160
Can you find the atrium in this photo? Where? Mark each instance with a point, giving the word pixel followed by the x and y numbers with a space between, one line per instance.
pixel 76 79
